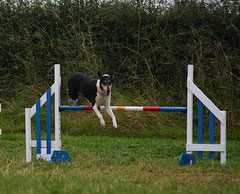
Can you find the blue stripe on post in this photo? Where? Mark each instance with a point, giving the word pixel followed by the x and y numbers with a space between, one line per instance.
pixel 49 121
pixel 200 126
pixel 211 132
pixel 38 126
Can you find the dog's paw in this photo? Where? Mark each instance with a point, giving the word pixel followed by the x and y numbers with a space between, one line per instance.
pixel 115 124
pixel 102 123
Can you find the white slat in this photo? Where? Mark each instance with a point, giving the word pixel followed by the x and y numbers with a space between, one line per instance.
pixel 205 147
pixel 206 101
pixel 43 144
pixel 43 100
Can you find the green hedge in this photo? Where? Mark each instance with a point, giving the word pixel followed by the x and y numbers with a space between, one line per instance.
pixel 146 46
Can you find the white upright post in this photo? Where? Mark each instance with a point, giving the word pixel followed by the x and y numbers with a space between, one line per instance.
pixel 189 108
pixel 28 135
pixel 57 104
pixel 223 138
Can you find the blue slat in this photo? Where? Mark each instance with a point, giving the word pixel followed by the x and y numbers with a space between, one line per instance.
pixel 211 132
pixel 49 121
pixel 200 126
pixel 38 126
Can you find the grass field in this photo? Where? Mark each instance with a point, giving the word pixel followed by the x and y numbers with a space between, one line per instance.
pixel 105 164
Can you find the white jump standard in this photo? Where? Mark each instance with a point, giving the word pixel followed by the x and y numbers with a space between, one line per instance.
pixel 46 150
pixel 51 150
pixel 192 89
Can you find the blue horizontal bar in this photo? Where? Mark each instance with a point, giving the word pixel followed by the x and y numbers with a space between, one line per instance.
pixel 61 108
pixel 174 109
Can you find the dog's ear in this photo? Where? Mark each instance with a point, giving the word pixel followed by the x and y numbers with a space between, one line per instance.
pixel 113 78
pixel 99 74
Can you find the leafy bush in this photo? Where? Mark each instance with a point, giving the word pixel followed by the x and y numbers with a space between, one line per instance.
pixel 146 46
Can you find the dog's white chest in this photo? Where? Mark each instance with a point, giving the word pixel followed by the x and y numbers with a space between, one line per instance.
pixel 101 99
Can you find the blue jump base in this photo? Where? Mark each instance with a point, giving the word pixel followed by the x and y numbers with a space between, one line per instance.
pixel 187 159
pixel 60 156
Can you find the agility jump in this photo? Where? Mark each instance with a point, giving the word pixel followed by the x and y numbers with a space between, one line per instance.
pixel 51 150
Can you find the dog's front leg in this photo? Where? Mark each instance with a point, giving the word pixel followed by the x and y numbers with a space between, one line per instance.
pixel 99 115
pixel 109 111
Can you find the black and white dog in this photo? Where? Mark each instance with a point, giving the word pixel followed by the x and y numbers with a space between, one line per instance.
pixel 97 92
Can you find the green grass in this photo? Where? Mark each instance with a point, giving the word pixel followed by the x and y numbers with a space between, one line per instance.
pixel 104 164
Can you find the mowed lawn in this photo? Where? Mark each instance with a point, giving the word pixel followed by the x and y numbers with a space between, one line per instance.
pixel 102 164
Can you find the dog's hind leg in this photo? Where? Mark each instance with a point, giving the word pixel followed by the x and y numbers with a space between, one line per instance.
pixel 110 112
pixel 73 95
pixel 99 115
pixel 75 102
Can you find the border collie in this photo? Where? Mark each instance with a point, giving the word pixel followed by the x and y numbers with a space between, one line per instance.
pixel 97 92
